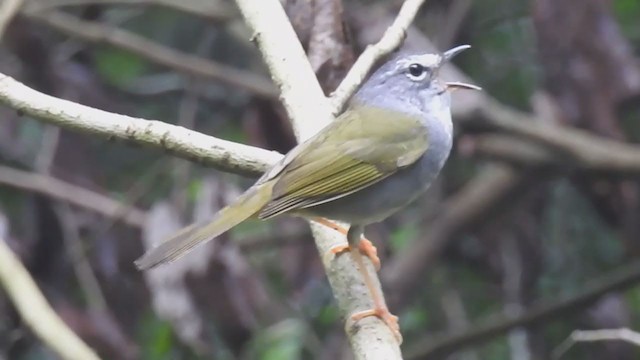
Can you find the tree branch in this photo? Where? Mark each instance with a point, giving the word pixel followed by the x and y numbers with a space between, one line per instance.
pixel 618 280
pixel 309 111
pixel 580 147
pixel 153 51
pixel 8 10
pixel 212 10
pixel 624 334
pixel 72 194
pixel 300 91
pixel 185 143
pixel 36 312
pixel 391 40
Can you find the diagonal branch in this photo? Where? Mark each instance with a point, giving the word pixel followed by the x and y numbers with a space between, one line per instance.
pixel 36 312
pixel 72 194
pixel 577 336
pixel 8 9
pixel 213 10
pixel 391 40
pixel 192 145
pixel 587 150
pixel 153 51
pixel 618 280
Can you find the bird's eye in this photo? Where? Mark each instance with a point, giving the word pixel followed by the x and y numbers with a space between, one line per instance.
pixel 417 72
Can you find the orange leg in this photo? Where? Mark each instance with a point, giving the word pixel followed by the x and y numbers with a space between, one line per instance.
pixel 383 314
pixel 365 246
pixel 379 309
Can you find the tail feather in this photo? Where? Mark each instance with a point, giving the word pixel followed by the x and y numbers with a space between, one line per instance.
pixel 247 205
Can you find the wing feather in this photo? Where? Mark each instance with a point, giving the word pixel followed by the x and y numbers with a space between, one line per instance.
pixel 347 161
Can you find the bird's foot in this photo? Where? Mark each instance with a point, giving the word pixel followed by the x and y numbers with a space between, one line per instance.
pixel 366 247
pixel 383 314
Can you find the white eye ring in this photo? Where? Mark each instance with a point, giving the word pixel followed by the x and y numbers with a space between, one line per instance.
pixel 417 72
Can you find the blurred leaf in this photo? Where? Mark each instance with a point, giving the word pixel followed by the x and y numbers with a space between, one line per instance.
pixel 119 67
pixel 628 13
pixel 157 338
pixel 414 320
pixel 282 341
pixel 329 315
pixel 194 189
pixel 403 236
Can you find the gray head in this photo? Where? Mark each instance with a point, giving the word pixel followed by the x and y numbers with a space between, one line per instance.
pixel 409 82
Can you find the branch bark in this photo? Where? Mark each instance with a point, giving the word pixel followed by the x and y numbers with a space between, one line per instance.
pixel 179 141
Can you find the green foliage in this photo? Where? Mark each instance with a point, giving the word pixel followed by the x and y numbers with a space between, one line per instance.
pixel 496 349
pixel 402 236
pixel 414 320
pixel 118 67
pixel 628 13
pixel 282 341
pixel 157 339
pixel 328 315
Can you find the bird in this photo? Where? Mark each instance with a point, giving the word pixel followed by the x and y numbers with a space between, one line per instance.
pixel 375 158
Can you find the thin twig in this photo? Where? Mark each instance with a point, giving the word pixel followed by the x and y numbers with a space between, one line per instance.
pixel 390 41
pixel 77 254
pixel 36 312
pixel 617 280
pixel 71 194
pixel 582 148
pixel 624 334
pixel 153 51
pixel 212 10
pixel 8 9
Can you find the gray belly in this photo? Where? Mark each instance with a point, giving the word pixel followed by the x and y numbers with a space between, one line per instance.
pixel 378 201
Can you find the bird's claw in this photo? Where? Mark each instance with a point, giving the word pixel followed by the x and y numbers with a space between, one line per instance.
pixel 383 314
pixel 366 248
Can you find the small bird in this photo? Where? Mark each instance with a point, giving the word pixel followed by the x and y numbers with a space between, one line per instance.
pixel 380 154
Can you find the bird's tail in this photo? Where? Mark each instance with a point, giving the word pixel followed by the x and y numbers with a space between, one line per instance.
pixel 247 205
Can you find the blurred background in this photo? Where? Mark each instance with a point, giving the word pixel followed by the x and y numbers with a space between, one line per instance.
pixel 531 232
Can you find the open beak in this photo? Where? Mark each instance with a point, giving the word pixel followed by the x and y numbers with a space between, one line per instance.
pixel 454 85
pixel 451 53
pixel 447 56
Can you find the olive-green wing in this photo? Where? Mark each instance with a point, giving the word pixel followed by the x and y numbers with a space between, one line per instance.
pixel 365 146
